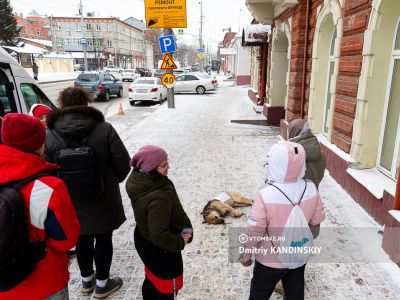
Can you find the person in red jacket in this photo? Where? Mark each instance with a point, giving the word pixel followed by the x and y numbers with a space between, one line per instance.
pixel 51 216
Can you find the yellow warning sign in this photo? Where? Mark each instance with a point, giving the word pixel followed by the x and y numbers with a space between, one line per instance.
pixel 168 80
pixel 200 55
pixel 165 13
pixel 168 63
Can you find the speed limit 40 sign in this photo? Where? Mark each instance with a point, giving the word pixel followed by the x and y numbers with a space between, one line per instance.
pixel 168 80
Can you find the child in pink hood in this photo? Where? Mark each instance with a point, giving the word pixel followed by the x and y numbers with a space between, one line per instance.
pixel 270 212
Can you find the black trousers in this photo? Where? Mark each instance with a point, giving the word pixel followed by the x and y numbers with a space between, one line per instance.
pixel 97 247
pixel 149 292
pixel 265 279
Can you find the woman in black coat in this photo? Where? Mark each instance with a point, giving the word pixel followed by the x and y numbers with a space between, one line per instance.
pixel 77 123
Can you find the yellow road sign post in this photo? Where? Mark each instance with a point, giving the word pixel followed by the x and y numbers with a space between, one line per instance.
pixel 165 13
pixel 168 80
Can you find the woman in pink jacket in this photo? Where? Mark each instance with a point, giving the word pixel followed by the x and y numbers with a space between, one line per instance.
pixel 273 205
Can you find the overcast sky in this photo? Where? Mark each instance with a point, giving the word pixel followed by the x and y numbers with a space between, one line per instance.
pixel 218 14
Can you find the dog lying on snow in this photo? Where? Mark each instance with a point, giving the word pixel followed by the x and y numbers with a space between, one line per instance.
pixel 216 209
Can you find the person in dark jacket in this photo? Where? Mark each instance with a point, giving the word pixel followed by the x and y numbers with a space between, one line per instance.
pixel 35 70
pixel 162 227
pixel 74 122
pixel 299 132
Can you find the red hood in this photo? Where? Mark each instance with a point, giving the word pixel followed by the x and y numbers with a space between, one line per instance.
pixel 18 165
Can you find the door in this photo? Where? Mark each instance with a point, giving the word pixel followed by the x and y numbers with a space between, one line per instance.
pixel 7 97
pixel 191 82
pixel 108 83
pixel 180 83
pixel 115 84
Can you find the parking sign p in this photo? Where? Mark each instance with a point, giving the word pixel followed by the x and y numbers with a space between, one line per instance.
pixel 167 44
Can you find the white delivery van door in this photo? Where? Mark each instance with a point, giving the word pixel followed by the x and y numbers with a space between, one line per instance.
pixel 8 95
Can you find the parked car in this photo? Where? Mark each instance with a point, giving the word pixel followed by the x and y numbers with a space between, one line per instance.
pixel 79 67
pixel 159 73
pixel 113 69
pixel 18 90
pixel 102 85
pixel 195 82
pixel 143 72
pixel 130 75
pixel 147 89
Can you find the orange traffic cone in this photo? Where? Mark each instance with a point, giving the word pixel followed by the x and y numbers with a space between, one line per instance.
pixel 120 110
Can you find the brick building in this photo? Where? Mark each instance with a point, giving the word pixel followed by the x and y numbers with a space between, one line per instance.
pixel 33 26
pixel 336 63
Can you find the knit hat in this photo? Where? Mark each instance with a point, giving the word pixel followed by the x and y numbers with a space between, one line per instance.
pixel 22 132
pixel 38 110
pixel 148 158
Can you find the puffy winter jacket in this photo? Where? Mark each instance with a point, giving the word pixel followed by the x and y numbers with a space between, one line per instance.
pixel 50 211
pixel 271 209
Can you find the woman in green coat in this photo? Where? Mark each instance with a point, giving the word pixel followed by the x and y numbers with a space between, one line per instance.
pixel 162 227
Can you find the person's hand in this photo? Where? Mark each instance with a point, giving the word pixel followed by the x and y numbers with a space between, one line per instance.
pixel 186 238
pixel 245 263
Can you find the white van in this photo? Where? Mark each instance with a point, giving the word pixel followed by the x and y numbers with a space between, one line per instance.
pixel 18 90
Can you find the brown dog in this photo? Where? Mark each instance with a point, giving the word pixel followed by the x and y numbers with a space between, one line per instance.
pixel 215 210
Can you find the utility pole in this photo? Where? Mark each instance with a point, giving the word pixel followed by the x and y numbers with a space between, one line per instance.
pixel 201 36
pixel 83 28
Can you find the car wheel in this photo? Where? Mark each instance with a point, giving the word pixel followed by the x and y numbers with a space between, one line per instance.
pixel 120 93
pixel 132 102
pixel 200 90
pixel 107 96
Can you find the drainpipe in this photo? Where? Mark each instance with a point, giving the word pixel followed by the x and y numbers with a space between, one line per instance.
pixel 264 57
pixel 303 84
pixel 396 204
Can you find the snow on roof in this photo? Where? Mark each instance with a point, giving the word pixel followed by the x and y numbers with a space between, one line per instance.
pixel 47 43
pixel 27 48
pixel 255 34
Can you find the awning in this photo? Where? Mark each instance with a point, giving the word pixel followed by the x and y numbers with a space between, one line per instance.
pixel 255 34
pixel 264 11
pixel 227 51
pixel 27 48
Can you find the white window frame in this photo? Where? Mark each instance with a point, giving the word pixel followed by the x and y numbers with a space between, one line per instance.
pixel 98 27
pixel 78 27
pixel 395 55
pixel 109 43
pixel 331 59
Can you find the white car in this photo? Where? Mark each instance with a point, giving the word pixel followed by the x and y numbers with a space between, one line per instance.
pixel 129 75
pixel 147 89
pixel 113 69
pixel 195 82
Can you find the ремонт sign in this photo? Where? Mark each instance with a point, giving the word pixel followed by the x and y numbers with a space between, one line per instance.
pixel 165 13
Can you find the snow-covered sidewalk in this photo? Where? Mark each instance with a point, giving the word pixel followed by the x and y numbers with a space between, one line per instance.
pixel 208 155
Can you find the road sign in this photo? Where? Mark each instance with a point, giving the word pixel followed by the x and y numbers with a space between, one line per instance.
pixel 83 41
pixel 200 50
pixel 200 55
pixel 168 80
pixel 168 63
pixel 180 31
pixel 165 13
pixel 167 44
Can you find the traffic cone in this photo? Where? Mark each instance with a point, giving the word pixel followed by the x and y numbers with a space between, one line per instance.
pixel 120 110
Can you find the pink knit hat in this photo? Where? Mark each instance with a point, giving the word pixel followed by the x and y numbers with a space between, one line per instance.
pixel 148 158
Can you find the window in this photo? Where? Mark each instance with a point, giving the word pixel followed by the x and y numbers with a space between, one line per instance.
pixel 88 27
pixel 58 26
pixel 190 77
pixel 107 77
pixel 78 26
pixel 98 27
pixel 109 27
pixel 67 27
pixel 331 70
pixel 109 43
pixel 390 139
pixel 32 95
pixel 180 78
pixel 7 103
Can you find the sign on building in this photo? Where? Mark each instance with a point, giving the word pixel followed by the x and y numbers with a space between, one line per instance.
pixel 165 13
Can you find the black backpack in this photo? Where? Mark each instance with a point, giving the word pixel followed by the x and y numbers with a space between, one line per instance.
pixel 18 256
pixel 79 169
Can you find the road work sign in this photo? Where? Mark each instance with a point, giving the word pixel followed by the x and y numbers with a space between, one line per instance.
pixel 167 44
pixel 165 13
pixel 168 63
pixel 168 80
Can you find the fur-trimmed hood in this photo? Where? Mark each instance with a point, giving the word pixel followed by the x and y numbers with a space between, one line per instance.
pixel 74 121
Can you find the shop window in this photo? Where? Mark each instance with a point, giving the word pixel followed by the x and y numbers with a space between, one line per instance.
pixel 331 70
pixel 389 147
